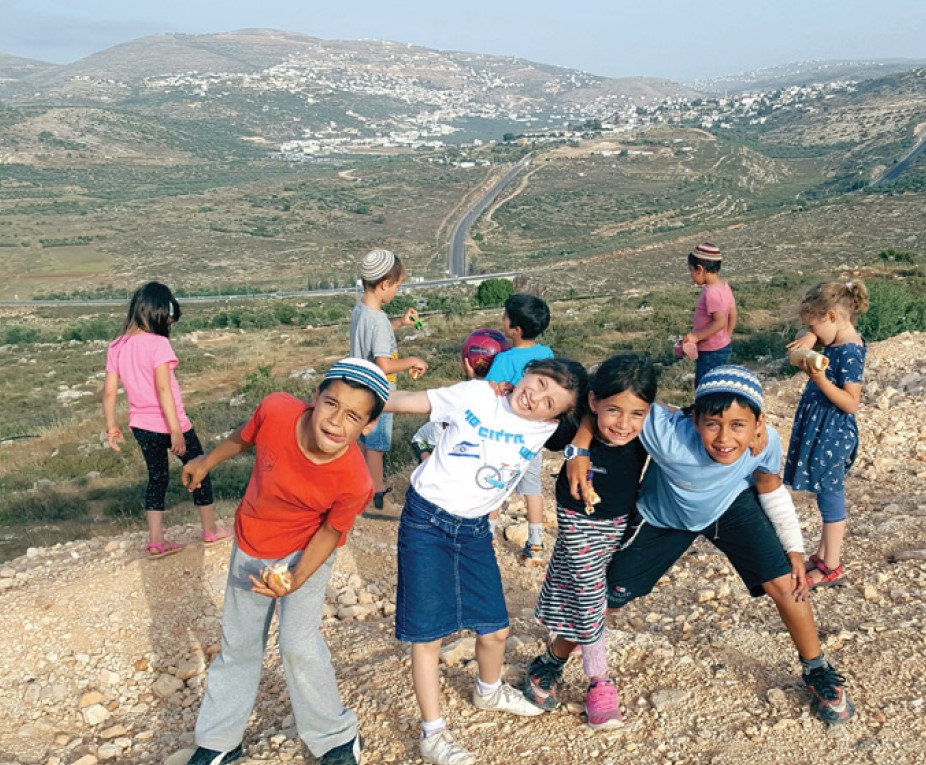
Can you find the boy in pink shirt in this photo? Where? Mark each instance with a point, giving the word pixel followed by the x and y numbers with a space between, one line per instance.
pixel 715 311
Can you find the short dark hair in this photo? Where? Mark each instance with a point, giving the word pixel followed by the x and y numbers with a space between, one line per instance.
pixel 625 371
pixel 718 403
pixel 394 274
pixel 375 411
pixel 711 266
pixel 528 313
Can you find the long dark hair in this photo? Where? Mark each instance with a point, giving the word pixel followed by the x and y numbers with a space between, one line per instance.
pixel 153 308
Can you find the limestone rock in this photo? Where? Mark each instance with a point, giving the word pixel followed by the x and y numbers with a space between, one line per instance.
pixel 167 685
pixel 95 714
pixel 456 652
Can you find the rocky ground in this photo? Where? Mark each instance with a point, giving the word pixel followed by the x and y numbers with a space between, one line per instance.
pixel 103 653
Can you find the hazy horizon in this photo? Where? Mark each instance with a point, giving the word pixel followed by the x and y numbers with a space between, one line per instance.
pixel 678 41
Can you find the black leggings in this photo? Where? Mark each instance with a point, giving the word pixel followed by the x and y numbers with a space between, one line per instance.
pixel 155 447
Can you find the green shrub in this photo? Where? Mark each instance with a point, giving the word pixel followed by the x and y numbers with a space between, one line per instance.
pixel 895 307
pixel 771 343
pixel 893 256
pixel 97 328
pixel 494 292
pixel 19 335
pixel 42 506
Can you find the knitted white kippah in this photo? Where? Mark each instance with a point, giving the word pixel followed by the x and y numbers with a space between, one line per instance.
pixel 376 264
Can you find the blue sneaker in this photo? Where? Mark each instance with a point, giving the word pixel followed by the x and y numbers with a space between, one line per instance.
pixel 532 554
pixel 203 756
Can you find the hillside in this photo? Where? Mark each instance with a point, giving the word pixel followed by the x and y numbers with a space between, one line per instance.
pixel 804 73
pixel 283 86
pixel 861 132
pixel 103 654
pixel 14 69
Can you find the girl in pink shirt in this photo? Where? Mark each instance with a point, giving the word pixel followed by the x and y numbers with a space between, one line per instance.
pixel 143 359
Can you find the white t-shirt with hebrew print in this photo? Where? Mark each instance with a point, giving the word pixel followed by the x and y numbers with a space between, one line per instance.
pixel 483 452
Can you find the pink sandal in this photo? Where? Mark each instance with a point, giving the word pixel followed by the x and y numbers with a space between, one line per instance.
pixel 219 535
pixel 160 549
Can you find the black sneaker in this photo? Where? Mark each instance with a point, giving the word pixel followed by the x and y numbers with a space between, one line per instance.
pixel 378 498
pixel 541 684
pixel 203 756
pixel 346 754
pixel 830 702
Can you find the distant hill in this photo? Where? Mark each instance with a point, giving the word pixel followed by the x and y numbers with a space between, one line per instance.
pixel 804 73
pixel 278 86
pixel 14 69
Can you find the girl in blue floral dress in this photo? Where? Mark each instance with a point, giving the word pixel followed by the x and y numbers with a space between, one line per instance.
pixel 824 439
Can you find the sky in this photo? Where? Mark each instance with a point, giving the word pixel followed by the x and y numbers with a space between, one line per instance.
pixel 676 40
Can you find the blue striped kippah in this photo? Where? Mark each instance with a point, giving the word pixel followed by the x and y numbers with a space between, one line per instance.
pixel 731 379
pixel 362 371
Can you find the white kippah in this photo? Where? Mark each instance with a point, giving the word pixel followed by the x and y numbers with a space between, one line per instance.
pixel 376 264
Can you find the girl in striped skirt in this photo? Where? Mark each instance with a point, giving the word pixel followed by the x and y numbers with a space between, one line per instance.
pixel 572 600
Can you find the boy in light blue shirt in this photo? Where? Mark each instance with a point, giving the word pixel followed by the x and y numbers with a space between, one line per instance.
pixel 705 480
pixel 685 487
pixel 524 319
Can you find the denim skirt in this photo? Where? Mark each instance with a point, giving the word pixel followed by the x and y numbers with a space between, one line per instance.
pixel 448 576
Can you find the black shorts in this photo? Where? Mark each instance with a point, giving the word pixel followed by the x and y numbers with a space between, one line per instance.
pixel 743 533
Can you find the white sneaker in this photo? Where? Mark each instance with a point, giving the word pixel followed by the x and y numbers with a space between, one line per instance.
pixel 506 699
pixel 442 749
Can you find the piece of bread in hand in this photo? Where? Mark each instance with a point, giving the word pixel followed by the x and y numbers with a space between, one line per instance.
pixel 279 575
pixel 591 499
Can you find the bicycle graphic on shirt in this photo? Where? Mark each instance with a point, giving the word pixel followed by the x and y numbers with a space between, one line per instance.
pixel 489 477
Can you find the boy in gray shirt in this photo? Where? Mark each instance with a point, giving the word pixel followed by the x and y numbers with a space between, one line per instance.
pixel 372 337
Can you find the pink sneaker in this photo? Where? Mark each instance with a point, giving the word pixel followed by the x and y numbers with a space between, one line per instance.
pixel 602 708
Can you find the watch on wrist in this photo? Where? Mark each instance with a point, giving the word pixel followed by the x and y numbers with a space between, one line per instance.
pixel 572 451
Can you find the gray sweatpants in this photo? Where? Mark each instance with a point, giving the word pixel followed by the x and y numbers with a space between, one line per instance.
pixel 322 720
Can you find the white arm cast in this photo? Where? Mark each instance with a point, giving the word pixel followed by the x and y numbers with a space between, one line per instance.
pixel 779 507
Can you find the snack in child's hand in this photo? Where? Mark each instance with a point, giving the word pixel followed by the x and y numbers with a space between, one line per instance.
pixel 591 499
pixel 279 575
pixel 816 360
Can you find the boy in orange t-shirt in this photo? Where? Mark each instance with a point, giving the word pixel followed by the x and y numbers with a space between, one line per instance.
pixel 308 485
